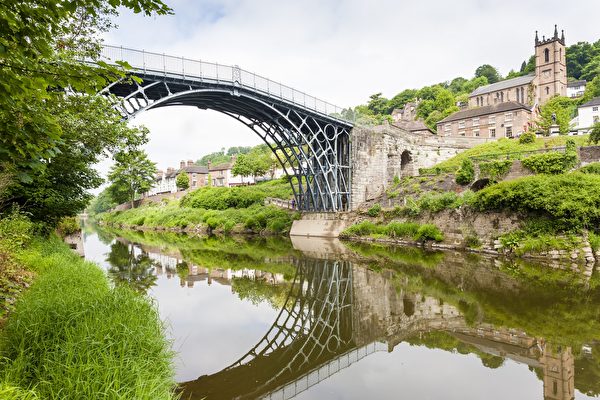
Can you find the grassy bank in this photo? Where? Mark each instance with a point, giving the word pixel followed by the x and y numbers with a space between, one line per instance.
pixel 501 147
pixel 216 209
pixel 72 336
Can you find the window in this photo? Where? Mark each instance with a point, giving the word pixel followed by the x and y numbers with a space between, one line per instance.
pixel 447 127
pixel 547 55
pixel 478 102
pixel 476 121
pixel 492 120
pixel 502 97
pixel 508 117
pixel 509 131
pixel 461 133
pixel 492 132
pixel 547 89
pixel 476 132
pixel 594 108
pixel 461 124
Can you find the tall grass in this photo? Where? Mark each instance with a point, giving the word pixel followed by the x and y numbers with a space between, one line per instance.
pixel 72 336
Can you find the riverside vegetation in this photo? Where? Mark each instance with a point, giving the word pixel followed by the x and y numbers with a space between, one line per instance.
pixel 559 206
pixel 214 209
pixel 54 341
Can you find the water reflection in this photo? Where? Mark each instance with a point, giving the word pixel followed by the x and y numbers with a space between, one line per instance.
pixel 338 312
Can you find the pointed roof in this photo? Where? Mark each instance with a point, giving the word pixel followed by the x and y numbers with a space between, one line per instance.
pixel 505 84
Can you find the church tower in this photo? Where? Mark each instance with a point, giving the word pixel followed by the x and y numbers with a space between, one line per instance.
pixel 550 66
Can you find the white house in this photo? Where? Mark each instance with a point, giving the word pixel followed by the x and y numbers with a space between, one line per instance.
pixel 589 114
pixel 576 88
pixel 165 182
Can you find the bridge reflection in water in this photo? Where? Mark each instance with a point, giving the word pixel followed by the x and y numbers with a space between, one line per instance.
pixel 337 313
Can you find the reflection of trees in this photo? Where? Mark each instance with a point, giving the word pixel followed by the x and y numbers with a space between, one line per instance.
pixel 126 267
pixel 259 290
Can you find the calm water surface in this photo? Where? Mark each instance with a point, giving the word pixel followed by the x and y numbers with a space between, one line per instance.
pixel 268 318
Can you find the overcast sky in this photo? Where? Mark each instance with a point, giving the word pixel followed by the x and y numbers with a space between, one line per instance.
pixel 340 51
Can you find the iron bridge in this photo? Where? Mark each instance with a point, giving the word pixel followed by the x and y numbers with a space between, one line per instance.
pixel 309 137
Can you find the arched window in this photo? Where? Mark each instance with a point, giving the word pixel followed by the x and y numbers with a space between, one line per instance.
pixel 547 55
pixel 478 102
pixel 547 89
pixel 502 97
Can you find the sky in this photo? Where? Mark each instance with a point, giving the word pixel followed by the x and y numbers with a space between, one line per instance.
pixel 339 51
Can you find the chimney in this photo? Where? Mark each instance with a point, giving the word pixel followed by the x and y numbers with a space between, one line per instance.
pixel 170 170
pixel 182 164
pixel 190 163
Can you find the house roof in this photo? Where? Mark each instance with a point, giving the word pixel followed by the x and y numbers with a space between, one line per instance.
pixel 593 102
pixel 581 82
pixel 485 110
pixel 221 167
pixel 505 84
pixel 196 169
pixel 411 126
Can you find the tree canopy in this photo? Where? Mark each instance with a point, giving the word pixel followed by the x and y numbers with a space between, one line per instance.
pixel 132 174
pixel 490 73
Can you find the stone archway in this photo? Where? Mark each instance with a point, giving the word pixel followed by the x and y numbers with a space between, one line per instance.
pixel 406 163
pixel 480 184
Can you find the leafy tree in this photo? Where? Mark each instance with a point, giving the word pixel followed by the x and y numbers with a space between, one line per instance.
pixel 563 108
pixel 238 150
pixel 595 133
pixel 132 174
pixel 91 129
pixel 592 89
pixel 182 181
pixel 400 100
pixel 218 157
pixel 489 72
pixel 378 104
pixel 42 41
pixel 101 203
pixel 242 166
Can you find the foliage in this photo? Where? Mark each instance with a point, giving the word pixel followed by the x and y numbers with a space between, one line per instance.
pixel 563 108
pixel 571 200
pixel 101 203
pixel 72 336
pixel 527 137
pixel 68 226
pixel 89 133
pixel 495 169
pixel 466 172
pixel 583 60
pixel 595 133
pixel 407 230
pixel 553 162
pixel 39 52
pixel 374 210
pixel 436 202
pixel 255 218
pixel 490 73
pixel 16 230
pixel 132 174
pixel 592 168
pixel 221 198
pixel 182 181
pixel 216 158
pixel 522 241
pixel 504 148
pixel 428 232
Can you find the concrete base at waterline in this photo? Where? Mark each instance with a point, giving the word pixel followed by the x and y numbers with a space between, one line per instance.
pixel 319 225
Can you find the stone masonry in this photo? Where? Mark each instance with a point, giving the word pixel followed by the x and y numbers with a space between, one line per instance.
pixel 381 152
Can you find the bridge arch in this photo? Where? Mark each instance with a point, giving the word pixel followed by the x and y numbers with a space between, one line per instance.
pixel 309 137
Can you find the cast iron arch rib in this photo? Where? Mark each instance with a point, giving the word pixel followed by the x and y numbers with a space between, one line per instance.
pixel 310 134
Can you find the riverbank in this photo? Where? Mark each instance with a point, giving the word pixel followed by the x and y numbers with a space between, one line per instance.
pixel 70 335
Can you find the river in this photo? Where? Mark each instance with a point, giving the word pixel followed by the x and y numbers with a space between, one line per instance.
pixel 316 319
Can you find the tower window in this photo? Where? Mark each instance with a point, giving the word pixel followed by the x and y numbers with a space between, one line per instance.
pixel 547 89
pixel 547 55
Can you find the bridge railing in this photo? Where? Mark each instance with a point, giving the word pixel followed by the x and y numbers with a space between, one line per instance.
pixel 166 65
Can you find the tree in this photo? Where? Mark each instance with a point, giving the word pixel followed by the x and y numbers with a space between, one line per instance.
pixel 242 166
pixel 132 174
pixel 42 41
pixel 489 72
pixel 91 129
pixel 378 104
pixel 563 108
pixel 101 203
pixel 595 133
pixel 182 181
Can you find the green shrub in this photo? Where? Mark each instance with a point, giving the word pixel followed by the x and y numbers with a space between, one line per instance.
pixel 364 228
pixel 527 137
pixel 495 169
pixel 438 202
pixel 571 200
pixel 472 242
pixel 396 180
pixel 401 229
pixel 594 240
pixel 428 232
pixel 68 226
pixel 551 163
pixel 466 172
pixel 374 210
pixel 16 230
pixel 593 168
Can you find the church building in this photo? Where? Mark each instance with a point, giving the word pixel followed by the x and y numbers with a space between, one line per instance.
pixel 509 107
